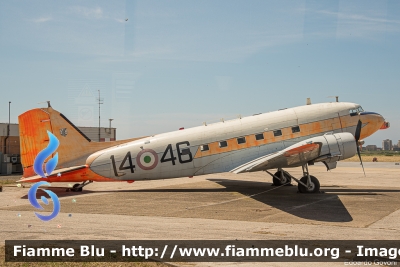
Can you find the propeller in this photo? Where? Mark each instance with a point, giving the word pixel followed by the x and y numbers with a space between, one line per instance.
pixel 357 136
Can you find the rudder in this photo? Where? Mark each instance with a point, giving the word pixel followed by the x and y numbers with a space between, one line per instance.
pixel 33 127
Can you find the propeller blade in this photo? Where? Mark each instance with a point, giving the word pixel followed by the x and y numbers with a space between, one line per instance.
pixel 357 136
pixel 358 131
pixel 359 155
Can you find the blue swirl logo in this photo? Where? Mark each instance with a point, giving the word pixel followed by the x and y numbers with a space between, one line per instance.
pixel 44 154
pixel 35 203
pixel 38 168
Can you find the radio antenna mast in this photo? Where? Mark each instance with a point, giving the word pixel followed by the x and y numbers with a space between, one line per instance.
pixel 100 101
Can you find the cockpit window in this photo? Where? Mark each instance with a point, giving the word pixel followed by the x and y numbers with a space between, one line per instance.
pixel 356 111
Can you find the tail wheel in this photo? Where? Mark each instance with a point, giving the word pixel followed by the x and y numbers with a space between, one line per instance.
pixel 76 188
pixel 312 188
pixel 286 179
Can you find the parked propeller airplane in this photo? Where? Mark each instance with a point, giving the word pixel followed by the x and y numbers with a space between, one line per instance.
pixel 293 137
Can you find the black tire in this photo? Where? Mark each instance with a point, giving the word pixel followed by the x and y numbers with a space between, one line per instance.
pixel 278 182
pixel 314 185
pixel 75 188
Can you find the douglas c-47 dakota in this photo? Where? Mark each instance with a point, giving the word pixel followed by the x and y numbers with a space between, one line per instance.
pixel 293 137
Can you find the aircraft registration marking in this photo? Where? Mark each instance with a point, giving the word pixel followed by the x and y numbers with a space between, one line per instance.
pixel 147 159
pixel 184 155
pixel 122 167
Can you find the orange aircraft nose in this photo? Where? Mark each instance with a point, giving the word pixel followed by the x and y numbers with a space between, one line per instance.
pixel 371 122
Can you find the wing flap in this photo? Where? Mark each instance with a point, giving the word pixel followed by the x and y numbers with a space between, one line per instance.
pixel 293 156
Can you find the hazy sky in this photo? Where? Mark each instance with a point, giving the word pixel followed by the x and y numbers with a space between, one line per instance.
pixel 161 65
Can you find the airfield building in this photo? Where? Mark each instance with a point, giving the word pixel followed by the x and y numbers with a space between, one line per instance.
pixel 387 145
pixel 371 148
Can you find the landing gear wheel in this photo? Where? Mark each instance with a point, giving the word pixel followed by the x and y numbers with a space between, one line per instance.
pixel 313 187
pixel 76 188
pixel 286 179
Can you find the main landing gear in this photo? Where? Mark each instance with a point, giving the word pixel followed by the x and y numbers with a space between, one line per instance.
pixel 307 184
pixel 281 177
pixel 78 187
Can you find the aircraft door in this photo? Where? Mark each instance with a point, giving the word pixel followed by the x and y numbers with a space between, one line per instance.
pixel 337 124
pixel 198 155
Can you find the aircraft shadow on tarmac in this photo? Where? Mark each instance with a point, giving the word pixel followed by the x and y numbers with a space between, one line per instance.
pixel 325 206
pixel 318 207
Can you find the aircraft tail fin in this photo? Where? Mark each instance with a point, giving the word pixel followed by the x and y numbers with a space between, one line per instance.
pixel 74 146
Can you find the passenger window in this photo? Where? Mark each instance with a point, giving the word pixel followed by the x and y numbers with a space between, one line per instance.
pixel 223 144
pixel 241 140
pixel 260 136
pixel 277 133
pixel 295 129
pixel 204 148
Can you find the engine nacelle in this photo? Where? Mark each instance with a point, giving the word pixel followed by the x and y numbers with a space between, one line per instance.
pixel 335 147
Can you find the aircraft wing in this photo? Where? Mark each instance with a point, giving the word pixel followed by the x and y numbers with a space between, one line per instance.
pixel 293 156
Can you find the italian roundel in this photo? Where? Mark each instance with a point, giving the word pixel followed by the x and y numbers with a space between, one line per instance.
pixel 147 159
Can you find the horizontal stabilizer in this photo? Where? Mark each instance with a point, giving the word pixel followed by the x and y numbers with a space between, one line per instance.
pixel 56 173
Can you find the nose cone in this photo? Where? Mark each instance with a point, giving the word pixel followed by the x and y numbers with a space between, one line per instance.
pixel 371 122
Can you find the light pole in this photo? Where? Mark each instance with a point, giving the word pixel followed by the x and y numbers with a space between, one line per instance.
pixel 110 128
pixel 8 128
pixel 100 102
pixel 110 123
pixel 9 113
